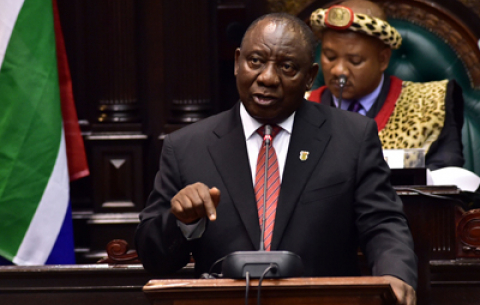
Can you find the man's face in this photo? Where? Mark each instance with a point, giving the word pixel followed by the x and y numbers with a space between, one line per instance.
pixel 273 71
pixel 362 59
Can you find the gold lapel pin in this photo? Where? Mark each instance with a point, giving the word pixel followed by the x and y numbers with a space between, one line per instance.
pixel 304 155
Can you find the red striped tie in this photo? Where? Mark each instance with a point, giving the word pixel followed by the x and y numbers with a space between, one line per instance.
pixel 273 186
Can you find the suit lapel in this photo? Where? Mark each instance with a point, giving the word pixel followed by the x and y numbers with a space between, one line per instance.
pixel 309 135
pixel 229 153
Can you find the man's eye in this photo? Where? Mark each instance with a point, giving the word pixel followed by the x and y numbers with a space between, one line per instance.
pixel 356 61
pixel 326 55
pixel 255 60
pixel 330 58
pixel 288 68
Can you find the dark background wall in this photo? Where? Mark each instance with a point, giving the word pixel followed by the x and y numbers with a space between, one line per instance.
pixel 141 69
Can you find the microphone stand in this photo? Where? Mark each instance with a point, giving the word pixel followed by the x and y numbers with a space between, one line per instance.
pixel 342 81
pixel 262 264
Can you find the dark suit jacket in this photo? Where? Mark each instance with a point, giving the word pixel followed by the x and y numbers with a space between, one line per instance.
pixel 336 200
pixel 447 149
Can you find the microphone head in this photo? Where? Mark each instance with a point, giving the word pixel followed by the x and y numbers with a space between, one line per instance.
pixel 268 130
pixel 267 138
pixel 342 80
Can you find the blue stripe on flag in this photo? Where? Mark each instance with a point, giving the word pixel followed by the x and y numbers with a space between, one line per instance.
pixel 63 251
pixel 4 261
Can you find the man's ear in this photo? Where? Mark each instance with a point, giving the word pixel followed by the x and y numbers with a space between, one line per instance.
pixel 312 74
pixel 237 56
pixel 384 58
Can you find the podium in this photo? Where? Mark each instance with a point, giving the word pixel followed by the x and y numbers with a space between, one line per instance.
pixel 298 291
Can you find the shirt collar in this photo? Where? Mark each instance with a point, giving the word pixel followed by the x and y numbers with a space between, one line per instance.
pixel 366 101
pixel 250 125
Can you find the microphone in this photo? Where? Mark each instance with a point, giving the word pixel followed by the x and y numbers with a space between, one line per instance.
pixel 342 81
pixel 280 264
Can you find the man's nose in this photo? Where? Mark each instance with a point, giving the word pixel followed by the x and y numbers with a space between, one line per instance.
pixel 269 75
pixel 339 68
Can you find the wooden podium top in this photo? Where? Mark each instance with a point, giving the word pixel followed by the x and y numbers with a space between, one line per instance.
pixel 339 290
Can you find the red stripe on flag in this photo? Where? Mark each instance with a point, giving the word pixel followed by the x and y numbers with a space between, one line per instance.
pixel 77 159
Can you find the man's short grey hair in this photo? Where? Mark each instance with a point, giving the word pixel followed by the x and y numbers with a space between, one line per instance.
pixel 295 22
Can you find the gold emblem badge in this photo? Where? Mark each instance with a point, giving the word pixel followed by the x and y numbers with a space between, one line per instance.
pixel 304 155
pixel 339 17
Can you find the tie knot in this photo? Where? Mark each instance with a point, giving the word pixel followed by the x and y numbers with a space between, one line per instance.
pixel 354 106
pixel 275 130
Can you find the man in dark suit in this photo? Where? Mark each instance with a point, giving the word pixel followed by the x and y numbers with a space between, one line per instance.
pixel 408 115
pixel 335 193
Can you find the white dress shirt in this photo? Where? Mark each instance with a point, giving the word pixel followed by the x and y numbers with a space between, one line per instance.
pixel 254 143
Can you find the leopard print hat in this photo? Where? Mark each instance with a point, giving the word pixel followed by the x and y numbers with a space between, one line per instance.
pixel 343 18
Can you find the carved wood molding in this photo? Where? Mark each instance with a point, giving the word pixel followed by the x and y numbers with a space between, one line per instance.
pixel 118 252
pixel 186 111
pixel 190 64
pixel 115 54
pixel 443 24
pixel 468 233
pixel 473 5
pixel 288 6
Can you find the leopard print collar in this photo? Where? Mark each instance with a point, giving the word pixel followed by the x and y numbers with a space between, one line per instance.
pixel 418 117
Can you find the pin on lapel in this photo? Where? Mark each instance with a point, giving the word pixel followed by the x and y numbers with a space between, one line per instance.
pixel 304 155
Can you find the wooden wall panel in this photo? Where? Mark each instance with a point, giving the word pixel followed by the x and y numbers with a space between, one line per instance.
pixel 142 69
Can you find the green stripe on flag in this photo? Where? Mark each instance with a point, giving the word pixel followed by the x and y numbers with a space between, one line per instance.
pixel 30 120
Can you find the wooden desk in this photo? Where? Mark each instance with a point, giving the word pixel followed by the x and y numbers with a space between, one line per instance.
pixel 445 277
pixel 446 274
pixel 298 291
pixel 100 284
pixel 455 282
pixel 432 223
